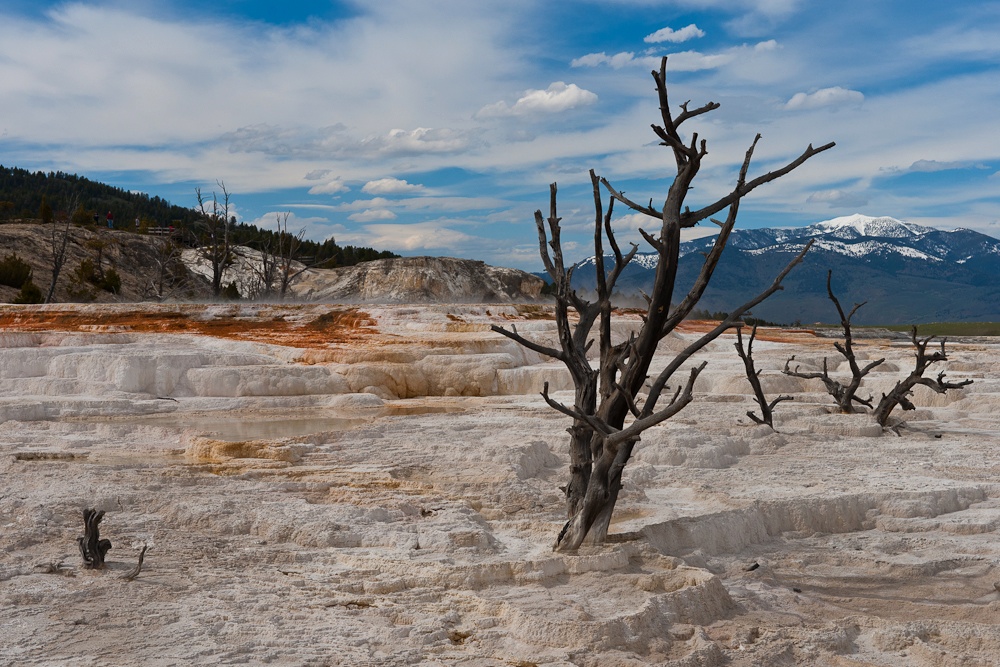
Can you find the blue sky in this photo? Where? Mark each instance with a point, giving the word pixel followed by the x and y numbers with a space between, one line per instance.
pixel 435 126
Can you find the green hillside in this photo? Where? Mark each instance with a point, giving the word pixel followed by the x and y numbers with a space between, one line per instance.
pixel 22 193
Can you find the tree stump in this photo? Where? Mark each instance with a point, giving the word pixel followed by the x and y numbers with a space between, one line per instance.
pixel 92 547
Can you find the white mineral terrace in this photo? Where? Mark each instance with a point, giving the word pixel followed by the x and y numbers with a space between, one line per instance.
pixel 391 498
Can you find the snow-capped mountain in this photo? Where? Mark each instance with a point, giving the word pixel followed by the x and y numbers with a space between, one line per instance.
pixel 908 272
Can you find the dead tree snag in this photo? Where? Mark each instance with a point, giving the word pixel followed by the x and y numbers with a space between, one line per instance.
pixel 609 411
pixel 216 224
pixel 900 394
pixel 844 394
pixel 92 547
pixel 753 376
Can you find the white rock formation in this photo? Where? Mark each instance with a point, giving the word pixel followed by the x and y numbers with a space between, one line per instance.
pixel 391 499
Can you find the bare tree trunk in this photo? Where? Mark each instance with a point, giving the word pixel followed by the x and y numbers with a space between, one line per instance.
pixel 845 395
pixel 58 240
pixel 92 547
pixel 288 250
pixel 166 264
pixel 215 245
pixel 753 376
pixel 608 415
pixel 900 394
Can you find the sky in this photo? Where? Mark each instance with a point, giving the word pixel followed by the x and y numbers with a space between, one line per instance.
pixel 434 127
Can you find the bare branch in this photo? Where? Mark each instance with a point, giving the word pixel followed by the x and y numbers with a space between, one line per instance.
pixel 694 217
pixel 899 395
pixel 680 401
pixel 531 345
pixel 728 323
pixel 753 376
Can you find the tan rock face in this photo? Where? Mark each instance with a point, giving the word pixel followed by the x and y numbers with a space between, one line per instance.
pixel 421 280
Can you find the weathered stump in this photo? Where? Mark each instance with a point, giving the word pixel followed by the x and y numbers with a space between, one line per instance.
pixel 92 547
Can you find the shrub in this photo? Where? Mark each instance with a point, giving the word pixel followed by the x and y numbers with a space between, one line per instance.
pixel 111 282
pixel 45 211
pixel 85 273
pixel 231 292
pixel 14 271
pixel 80 280
pixel 30 293
pixel 83 217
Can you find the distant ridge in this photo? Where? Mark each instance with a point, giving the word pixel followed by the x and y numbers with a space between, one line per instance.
pixel 908 273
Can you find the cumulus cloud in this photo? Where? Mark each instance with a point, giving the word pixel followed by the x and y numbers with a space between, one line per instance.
pixel 268 221
pixel 838 198
pixel 558 97
pixel 617 61
pixel 372 214
pixel 674 36
pixel 825 97
pixel 332 187
pixel 683 61
pixel 418 236
pixel 422 140
pixel 390 186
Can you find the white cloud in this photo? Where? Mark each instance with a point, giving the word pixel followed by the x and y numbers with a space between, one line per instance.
pixel 371 214
pixel 825 97
pixel 936 165
pixel 390 186
pixel 422 140
pixel 339 142
pixel 362 204
pixel 675 36
pixel 441 204
pixel 270 221
pixel 838 198
pixel 617 61
pixel 333 187
pixel 558 97
pixel 419 236
pixel 683 61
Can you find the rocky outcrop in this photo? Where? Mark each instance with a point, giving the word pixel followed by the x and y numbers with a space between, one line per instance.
pixel 420 280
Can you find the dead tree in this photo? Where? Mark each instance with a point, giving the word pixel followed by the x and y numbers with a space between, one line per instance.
pixel 288 250
pixel 276 268
pixel 168 274
pixel 900 394
pixel 215 246
pixel 608 413
pixel 59 234
pixel 92 547
pixel 753 376
pixel 844 394
pixel 263 269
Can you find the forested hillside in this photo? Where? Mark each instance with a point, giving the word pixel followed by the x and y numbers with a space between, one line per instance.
pixel 22 193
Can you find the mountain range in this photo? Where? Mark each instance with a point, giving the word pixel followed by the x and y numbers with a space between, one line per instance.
pixel 906 273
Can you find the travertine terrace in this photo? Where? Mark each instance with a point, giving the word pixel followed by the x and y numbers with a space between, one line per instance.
pixel 322 485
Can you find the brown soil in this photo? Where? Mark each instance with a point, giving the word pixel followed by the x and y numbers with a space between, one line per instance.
pixel 270 325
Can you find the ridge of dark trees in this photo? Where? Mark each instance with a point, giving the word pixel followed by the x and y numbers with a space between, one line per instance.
pixel 22 192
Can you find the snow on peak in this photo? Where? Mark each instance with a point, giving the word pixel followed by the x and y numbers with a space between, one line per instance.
pixel 865 225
